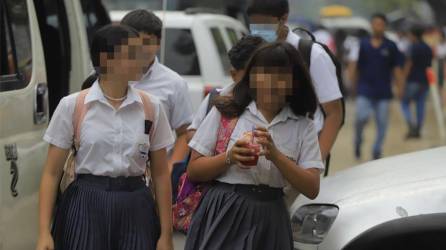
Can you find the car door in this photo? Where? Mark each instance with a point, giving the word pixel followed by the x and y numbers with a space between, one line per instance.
pixel 23 119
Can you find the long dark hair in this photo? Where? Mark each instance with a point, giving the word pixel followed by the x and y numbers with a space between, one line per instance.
pixel 104 41
pixel 303 100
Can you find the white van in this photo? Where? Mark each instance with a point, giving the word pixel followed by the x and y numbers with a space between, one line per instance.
pixel 44 55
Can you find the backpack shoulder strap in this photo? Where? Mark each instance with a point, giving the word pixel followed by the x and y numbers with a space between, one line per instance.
pixel 305 46
pixel 149 112
pixel 80 109
pixel 214 93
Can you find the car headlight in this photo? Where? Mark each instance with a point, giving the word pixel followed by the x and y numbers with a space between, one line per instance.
pixel 311 223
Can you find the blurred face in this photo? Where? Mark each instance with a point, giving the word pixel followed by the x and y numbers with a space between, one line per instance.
pixel 125 63
pixel 151 46
pixel 272 85
pixel 378 26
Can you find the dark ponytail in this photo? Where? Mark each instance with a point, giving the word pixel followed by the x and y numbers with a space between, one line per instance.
pixel 89 81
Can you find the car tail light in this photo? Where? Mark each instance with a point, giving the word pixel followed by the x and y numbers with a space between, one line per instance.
pixel 311 223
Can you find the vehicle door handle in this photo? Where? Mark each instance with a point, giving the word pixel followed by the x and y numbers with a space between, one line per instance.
pixel 40 104
pixel 12 156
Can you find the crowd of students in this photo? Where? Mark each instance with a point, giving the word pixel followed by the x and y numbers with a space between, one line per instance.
pixel 270 131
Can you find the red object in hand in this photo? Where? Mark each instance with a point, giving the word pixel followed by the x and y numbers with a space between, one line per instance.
pixel 256 148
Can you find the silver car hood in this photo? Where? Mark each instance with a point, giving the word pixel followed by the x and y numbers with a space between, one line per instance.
pixel 380 191
pixel 388 173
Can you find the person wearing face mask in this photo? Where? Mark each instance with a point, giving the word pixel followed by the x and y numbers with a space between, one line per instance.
pixel 108 206
pixel 248 147
pixel 268 19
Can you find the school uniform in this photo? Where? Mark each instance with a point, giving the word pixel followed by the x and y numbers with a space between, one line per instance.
pixel 245 209
pixel 172 90
pixel 323 74
pixel 108 206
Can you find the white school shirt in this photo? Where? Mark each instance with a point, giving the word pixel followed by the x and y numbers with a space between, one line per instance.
pixel 294 136
pixel 171 89
pixel 112 142
pixel 323 74
pixel 201 112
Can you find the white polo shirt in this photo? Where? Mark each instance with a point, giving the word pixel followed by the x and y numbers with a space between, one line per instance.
pixel 171 89
pixel 295 136
pixel 201 112
pixel 112 142
pixel 323 74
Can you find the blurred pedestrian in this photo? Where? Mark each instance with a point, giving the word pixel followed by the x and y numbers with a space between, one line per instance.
pixel 113 129
pixel 163 82
pixel 419 58
pixel 244 207
pixel 377 62
pixel 268 19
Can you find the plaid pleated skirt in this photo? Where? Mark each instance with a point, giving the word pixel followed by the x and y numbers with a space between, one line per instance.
pixel 241 217
pixel 104 213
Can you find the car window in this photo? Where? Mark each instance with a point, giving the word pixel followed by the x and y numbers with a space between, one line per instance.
pixel 221 48
pixel 180 52
pixel 16 53
pixel 95 16
pixel 232 36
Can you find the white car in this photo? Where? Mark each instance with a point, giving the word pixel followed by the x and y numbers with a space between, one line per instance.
pixel 393 203
pixel 195 45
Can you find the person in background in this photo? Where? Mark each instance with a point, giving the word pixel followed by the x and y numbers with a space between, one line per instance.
pixel 162 82
pixel 376 63
pixel 268 19
pixel 238 55
pixel 244 208
pixel 419 58
pixel 108 206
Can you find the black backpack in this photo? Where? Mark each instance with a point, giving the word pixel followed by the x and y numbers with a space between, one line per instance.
pixel 305 46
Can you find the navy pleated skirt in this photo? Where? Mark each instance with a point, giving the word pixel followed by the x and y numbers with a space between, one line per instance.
pixel 104 213
pixel 241 217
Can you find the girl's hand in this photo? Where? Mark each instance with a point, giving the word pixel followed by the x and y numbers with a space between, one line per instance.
pixel 264 138
pixel 45 242
pixel 164 243
pixel 241 153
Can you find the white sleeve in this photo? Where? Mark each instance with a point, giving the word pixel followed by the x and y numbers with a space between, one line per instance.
pixel 205 138
pixel 162 136
pixel 182 107
pixel 200 114
pixel 323 73
pixel 60 130
pixel 310 153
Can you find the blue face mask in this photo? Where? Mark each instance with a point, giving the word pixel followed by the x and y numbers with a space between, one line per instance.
pixel 266 31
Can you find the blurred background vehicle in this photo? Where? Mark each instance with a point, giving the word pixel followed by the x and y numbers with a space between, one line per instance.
pixel 394 203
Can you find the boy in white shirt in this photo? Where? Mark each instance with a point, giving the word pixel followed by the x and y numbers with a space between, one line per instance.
pixel 163 82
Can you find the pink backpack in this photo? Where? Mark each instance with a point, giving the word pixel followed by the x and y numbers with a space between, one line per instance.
pixel 80 110
pixel 190 193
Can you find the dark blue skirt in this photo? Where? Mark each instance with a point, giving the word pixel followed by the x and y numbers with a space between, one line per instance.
pixel 104 213
pixel 241 217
